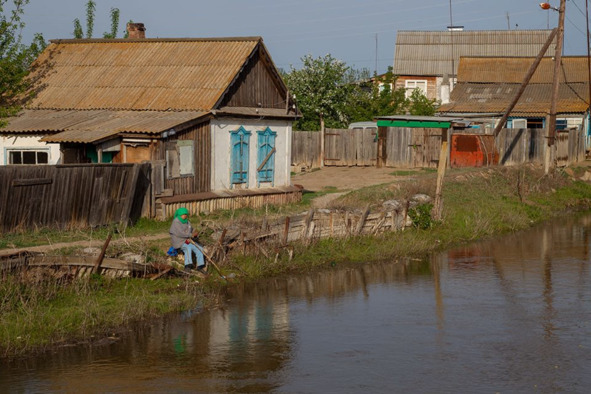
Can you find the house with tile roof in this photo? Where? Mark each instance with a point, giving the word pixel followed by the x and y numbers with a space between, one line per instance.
pixel 487 86
pixel 214 111
pixel 429 60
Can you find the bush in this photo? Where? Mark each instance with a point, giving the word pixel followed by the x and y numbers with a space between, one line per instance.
pixel 421 216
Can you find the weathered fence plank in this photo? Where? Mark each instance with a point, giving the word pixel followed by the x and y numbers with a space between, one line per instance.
pixel 76 196
pixel 417 147
pixel 305 149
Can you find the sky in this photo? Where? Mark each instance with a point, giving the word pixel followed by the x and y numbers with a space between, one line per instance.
pixel 362 33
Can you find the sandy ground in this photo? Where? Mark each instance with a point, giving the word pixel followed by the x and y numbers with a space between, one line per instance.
pixel 343 178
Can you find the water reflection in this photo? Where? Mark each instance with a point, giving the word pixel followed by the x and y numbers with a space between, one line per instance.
pixel 509 315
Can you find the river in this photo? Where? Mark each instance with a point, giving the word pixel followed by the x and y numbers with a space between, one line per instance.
pixel 508 315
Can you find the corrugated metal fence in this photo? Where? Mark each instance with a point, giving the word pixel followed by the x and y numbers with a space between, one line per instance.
pixel 420 147
pixel 71 196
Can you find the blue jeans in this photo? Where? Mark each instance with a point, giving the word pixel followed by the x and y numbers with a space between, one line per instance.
pixel 188 250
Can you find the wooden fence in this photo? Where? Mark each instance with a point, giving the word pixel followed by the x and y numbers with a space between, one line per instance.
pixel 350 147
pixel 420 147
pixel 71 196
pixel 305 149
pixel 413 147
pixel 318 224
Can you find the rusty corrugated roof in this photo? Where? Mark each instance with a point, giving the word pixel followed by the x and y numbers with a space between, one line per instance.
pixel 430 52
pixel 489 84
pixel 514 69
pixel 95 125
pixel 149 74
pixel 535 100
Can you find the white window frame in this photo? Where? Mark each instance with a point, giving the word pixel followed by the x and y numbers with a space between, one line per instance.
pixel 411 84
pixel 520 123
pixel 10 151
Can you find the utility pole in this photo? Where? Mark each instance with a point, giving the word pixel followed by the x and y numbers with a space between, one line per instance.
pixel 588 61
pixel 376 68
pixel 549 160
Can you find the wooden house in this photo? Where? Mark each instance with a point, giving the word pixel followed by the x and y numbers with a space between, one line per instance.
pixel 214 113
pixel 428 60
pixel 487 86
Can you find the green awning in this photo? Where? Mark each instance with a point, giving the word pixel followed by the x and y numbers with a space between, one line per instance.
pixel 414 123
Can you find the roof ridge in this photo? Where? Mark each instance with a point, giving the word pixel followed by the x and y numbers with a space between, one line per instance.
pixel 142 40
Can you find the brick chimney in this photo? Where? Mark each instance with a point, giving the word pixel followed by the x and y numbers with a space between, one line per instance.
pixel 136 30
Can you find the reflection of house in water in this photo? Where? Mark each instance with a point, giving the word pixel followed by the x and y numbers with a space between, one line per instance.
pixel 255 325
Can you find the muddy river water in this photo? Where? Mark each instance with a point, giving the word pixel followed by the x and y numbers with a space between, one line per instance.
pixel 508 315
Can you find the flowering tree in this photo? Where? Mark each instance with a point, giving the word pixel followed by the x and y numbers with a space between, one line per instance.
pixel 320 90
pixel 326 88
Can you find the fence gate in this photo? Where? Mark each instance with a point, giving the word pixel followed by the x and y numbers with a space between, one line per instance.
pixel 426 144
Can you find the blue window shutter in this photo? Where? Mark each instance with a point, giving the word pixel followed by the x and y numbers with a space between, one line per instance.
pixel 240 143
pixel 266 155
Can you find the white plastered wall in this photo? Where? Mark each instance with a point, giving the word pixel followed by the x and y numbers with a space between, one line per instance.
pixel 221 148
pixel 27 142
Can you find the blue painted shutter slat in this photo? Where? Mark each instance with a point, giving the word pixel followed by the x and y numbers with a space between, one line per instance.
pixel 239 141
pixel 266 143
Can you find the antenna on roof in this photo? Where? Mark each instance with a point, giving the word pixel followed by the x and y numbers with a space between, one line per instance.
pixel 376 68
pixel 451 29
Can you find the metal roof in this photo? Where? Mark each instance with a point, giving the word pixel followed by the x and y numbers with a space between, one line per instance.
pixel 430 52
pixel 514 69
pixel 95 125
pixel 148 74
pixel 488 85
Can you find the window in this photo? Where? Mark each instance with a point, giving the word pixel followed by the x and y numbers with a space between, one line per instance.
pixel 266 155
pixel 519 124
pixel 561 124
pixel 28 157
pixel 411 85
pixel 239 140
pixel 180 160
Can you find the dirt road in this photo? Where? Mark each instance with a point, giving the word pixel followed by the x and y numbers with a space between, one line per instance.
pixel 343 178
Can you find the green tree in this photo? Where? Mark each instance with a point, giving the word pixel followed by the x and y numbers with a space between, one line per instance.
pixel 420 105
pixel 321 90
pixel 15 58
pixel 114 24
pixel 90 15
pixel 377 97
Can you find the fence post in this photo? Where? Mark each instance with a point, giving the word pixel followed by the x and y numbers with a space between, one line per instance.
pixel 321 140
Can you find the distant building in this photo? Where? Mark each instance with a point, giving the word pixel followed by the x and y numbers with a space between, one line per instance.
pixel 428 60
pixel 487 86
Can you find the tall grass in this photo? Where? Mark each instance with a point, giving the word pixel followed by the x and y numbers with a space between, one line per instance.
pixel 37 312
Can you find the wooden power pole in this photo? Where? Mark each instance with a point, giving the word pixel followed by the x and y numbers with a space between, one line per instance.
pixel 549 162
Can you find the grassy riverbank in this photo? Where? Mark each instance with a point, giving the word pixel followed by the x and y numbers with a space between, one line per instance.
pixel 36 314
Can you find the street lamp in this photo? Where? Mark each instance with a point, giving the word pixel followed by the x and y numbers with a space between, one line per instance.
pixel 547 6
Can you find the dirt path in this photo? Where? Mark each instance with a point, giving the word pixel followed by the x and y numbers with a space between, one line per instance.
pixel 343 178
